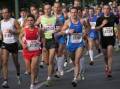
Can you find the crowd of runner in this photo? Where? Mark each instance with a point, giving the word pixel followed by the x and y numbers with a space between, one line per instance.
pixel 54 34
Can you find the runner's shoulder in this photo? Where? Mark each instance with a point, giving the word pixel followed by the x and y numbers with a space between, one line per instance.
pixel 67 22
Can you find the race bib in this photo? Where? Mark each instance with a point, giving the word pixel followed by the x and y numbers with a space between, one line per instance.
pixel 49 30
pixel 76 38
pixel 33 45
pixel 93 24
pixel 8 37
pixel 108 31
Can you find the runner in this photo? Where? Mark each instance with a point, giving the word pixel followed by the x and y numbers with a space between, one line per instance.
pixel 61 39
pixel 0 49
pixel 10 30
pixel 30 40
pixel 23 23
pixel 75 42
pixel 93 37
pixel 105 24
pixel 23 15
pixel 34 11
pixel 82 60
pixel 48 22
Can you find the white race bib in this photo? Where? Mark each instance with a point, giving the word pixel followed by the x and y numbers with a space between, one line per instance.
pixel 8 37
pixel 76 38
pixel 33 45
pixel 50 28
pixel 93 24
pixel 108 31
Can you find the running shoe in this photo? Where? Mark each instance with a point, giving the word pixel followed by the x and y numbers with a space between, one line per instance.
pixel 32 86
pixel 26 73
pixel 82 77
pixel 5 84
pixel 91 63
pixel 41 64
pixel 108 72
pixel 48 83
pixel 65 64
pixel 74 83
pixel 19 80
pixel 61 73
pixel 57 75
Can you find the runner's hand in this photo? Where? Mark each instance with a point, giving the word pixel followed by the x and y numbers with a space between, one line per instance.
pixel 104 22
pixel 44 49
pixel 24 46
pixel 71 31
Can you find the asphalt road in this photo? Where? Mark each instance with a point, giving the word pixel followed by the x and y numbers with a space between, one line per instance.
pixel 94 76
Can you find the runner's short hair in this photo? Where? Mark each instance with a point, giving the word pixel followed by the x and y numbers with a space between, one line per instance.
pixel 5 7
pixel 73 8
pixel 32 16
pixel 58 3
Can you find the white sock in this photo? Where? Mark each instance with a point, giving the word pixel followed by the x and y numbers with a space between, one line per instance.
pixel 60 63
pixel 48 78
pixel 91 54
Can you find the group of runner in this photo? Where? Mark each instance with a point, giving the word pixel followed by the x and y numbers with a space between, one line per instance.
pixel 55 33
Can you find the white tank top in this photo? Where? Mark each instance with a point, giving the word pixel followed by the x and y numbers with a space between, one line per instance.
pixel 8 25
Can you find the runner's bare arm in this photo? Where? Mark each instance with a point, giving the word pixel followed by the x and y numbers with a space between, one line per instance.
pixel 38 21
pixel 42 37
pixel 17 26
pixel 21 36
pixel 0 35
pixel 65 27
pixel 86 25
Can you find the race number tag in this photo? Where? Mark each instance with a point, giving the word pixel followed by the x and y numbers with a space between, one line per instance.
pixel 49 30
pixel 8 37
pixel 93 24
pixel 33 45
pixel 108 31
pixel 76 38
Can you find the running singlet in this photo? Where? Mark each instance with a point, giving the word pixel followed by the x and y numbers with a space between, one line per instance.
pixel 5 27
pixel 92 21
pixel 32 39
pixel 93 34
pixel 76 37
pixel 49 26
pixel 75 41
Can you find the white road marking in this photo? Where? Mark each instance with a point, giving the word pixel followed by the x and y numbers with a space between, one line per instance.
pixel 43 83
pixel 98 55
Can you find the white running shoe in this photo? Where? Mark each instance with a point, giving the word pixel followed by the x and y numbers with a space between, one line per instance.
pixel 32 86
pixel 65 64
pixel 61 73
pixel 19 80
pixel 5 84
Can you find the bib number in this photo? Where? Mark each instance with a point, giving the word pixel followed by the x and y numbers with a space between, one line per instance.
pixel 93 24
pixel 49 30
pixel 8 37
pixel 33 45
pixel 108 31
pixel 76 38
